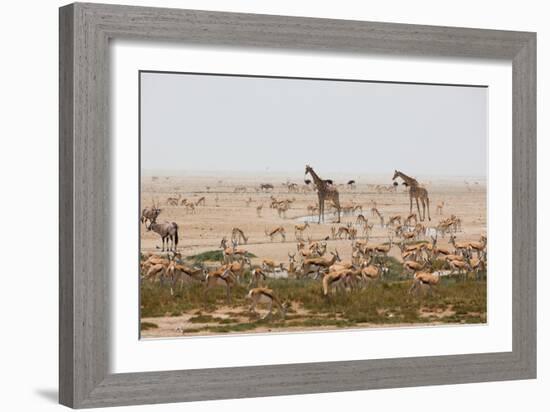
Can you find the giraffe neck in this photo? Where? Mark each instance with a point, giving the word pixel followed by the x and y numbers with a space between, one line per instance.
pixel 409 180
pixel 318 181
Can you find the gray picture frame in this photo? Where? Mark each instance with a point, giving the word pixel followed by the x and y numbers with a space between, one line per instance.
pixel 85 32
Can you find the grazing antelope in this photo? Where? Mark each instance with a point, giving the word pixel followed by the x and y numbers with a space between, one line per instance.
pixel 376 212
pixel 336 280
pixel 439 208
pixel 190 208
pixel 178 272
pixel 257 277
pixel 424 279
pixel 347 230
pixel 168 231
pixel 240 189
pixel 173 201
pixel 225 279
pixel 361 220
pixel 299 230
pixel 265 295
pixel 237 234
pixel 276 231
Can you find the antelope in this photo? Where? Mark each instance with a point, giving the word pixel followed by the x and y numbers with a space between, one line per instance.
pixel 240 189
pixel 413 266
pixel 410 218
pixel 248 201
pixel 227 252
pixel 168 231
pixel 458 266
pixel 317 264
pixel 257 276
pixel 348 231
pixel 436 250
pixel 312 210
pixel 225 279
pixel 173 201
pixel 384 249
pixel 265 295
pixel 361 220
pixel 299 230
pixel 259 210
pixel 461 247
pixel 292 268
pixel 237 234
pixel 276 231
pixel 282 208
pixel 150 214
pixel 424 278
pixel 480 246
pixel 201 201
pixel 374 211
pixel 270 265
pixel 176 271
pixel 336 280
pixel 394 219
pixel 439 208
pixel 190 208
pixel 372 271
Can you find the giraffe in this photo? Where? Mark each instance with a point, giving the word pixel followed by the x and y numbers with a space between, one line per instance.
pixel 417 192
pixel 325 191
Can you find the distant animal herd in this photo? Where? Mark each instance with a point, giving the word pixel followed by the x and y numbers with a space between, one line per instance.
pixel 422 258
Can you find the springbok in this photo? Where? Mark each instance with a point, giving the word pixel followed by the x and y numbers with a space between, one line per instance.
pixel 265 295
pixel 237 234
pixel 276 231
pixel 424 279
pixel 225 279
pixel 299 230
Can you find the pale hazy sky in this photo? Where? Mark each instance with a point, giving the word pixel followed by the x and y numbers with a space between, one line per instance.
pixel 207 123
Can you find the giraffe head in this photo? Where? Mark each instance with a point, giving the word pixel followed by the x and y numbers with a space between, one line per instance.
pixel 309 169
pixel 395 174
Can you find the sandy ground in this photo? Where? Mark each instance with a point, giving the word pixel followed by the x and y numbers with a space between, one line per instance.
pixel 202 231
pixel 224 209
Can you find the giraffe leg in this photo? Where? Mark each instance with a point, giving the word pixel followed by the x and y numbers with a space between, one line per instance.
pixel 418 208
pixel 410 203
pixel 428 205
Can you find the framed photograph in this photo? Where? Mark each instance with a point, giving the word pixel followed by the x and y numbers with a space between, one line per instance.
pixel 257 205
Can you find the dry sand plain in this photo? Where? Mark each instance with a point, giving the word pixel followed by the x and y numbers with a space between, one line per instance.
pixel 224 209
